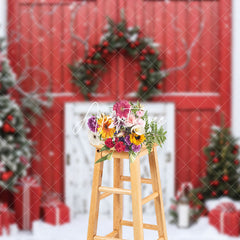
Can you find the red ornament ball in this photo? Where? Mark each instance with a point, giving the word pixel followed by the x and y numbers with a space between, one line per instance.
pixel 145 88
pixel 95 62
pixel 105 43
pixel 137 43
pixel 159 86
pixel 88 82
pixel 120 34
pixel 225 192
pixel 9 117
pixel 88 72
pixel 214 194
pixel 214 183
pixel 6 176
pixel 142 58
pixel 236 146
pixel 151 70
pixel 235 151
pixel 88 61
pixel 132 45
pixel 89 95
pixel 200 196
pixel 236 162
pixel 151 51
pixel 225 178
pixel 216 160
pixel 212 153
pixel 143 77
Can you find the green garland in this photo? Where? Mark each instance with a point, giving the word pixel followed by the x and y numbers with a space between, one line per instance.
pixel 120 37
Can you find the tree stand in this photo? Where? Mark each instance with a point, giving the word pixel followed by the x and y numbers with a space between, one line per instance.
pixel 100 192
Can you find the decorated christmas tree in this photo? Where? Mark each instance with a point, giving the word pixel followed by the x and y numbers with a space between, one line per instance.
pixel 15 148
pixel 222 176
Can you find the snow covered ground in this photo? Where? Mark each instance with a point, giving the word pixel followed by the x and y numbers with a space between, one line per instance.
pixel 77 230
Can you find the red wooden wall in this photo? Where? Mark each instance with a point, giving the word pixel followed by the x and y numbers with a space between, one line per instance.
pixel 39 31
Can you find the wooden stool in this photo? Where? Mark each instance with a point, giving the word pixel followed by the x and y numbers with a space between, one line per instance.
pixel 100 192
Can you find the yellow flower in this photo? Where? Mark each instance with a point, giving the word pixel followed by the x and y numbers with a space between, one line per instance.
pixel 104 122
pixel 137 139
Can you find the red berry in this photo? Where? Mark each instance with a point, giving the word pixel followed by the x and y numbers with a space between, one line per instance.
pixel 236 162
pixel 5 176
pixel 9 117
pixel 143 77
pixel 214 194
pixel 151 51
pixel 236 146
pixel 142 58
pixel 212 153
pixel 215 160
pixel 7 128
pixel 137 43
pixel 88 82
pixel 151 70
pixel 88 72
pixel 12 130
pixel 95 62
pixel 88 61
pixel 235 151
pixel 144 88
pixel 144 51
pixel 105 51
pixel 120 34
pixel 105 43
pixel 132 45
pixel 225 192
pixel 89 95
pixel 92 51
pixel 159 86
pixel 214 183
pixel 225 178
pixel 200 196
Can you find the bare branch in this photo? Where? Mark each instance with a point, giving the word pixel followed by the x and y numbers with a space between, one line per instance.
pixel 187 48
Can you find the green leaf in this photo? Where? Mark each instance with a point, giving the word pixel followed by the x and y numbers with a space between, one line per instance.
pixel 132 156
pixel 107 157
pixel 104 148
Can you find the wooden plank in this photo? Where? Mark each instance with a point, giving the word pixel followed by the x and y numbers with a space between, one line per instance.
pixel 112 234
pixel 136 199
pixel 143 180
pixel 95 198
pixel 104 195
pixel 117 198
pixel 145 225
pixel 149 198
pixel 156 185
pixel 106 238
pixel 114 190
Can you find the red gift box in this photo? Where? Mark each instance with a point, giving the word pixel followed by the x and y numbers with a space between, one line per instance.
pixel 55 212
pixel 226 218
pixel 4 219
pixel 27 202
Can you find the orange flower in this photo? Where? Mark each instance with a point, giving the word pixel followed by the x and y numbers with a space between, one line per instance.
pixel 104 127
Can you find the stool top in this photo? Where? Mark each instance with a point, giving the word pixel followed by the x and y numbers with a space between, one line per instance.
pixel 123 155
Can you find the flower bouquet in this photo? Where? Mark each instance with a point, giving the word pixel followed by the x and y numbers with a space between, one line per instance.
pixel 126 129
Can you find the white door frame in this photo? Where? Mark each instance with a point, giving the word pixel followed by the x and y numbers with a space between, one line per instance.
pixel 3 18
pixel 235 68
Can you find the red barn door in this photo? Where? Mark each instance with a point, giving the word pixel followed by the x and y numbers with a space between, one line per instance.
pixel 50 34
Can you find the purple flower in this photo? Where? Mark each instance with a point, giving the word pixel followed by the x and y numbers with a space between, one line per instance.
pixel 136 148
pixel 92 124
pixel 126 148
pixel 127 140
pixel 122 108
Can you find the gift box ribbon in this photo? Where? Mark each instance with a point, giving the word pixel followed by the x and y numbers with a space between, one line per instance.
pixel 27 183
pixel 225 208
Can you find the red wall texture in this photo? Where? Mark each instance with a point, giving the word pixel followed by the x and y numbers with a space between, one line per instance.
pixel 40 34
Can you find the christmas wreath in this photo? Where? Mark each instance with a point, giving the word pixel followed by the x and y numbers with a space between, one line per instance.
pixel 86 73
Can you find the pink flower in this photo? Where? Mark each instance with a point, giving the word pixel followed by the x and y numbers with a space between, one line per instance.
pixel 173 207
pixel 140 113
pixel 140 122
pixel 122 108
pixel 131 120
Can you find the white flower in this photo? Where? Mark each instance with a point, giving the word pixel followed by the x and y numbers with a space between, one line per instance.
pixel 94 138
pixel 138 129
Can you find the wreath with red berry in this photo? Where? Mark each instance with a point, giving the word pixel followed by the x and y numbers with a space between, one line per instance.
pixel 86 73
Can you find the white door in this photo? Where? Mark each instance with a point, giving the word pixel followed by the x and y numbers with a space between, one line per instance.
pixel 79 159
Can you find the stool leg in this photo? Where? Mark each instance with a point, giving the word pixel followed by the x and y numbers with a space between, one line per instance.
pixel 156 185
pixel 136 199
pixel 95 198
pixel 117 198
